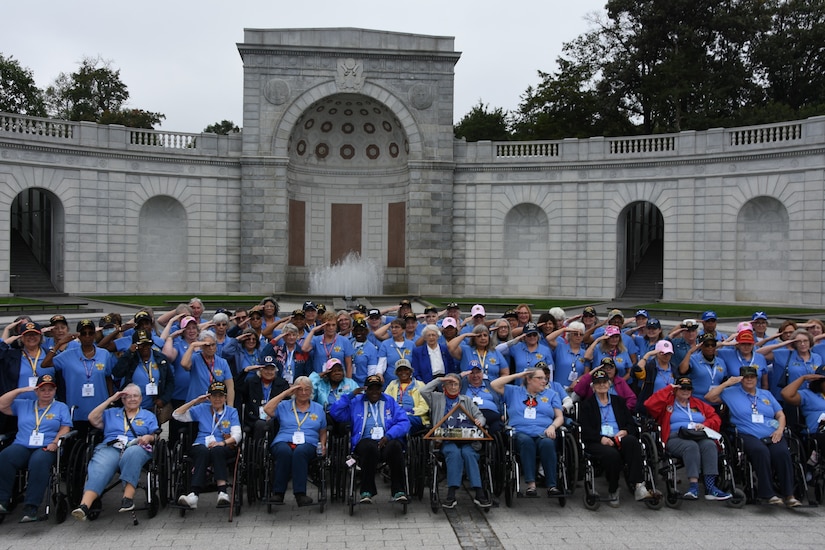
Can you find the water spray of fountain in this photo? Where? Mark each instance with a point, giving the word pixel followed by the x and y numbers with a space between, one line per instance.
pixel 352 276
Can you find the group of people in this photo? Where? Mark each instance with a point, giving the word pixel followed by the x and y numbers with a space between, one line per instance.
pixel 383 374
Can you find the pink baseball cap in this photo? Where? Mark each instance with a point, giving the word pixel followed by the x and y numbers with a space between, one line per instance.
pixel 611 330
pixel 449 322
pixel 478 309
pixel 663 346
pixel 186 320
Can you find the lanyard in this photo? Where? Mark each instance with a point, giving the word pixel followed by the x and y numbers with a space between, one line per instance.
pixel 483 359
pixel 328 350
pixel 400 350
pixel 686 410
pixel 754 399
pixel 606 411
pixel 401 390
pixel 209 367
pixel 290 360
pixel 88 366
pixel 375 411
pixel 128 423
pixel 302 420
pixel 39 418
pixel 742 359
pixel 711 368
pixel 34 362
pixel 266 389
pixel 147 367
pixel 216 420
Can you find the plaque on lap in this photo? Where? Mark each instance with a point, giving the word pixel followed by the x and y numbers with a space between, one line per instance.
pixel 457 425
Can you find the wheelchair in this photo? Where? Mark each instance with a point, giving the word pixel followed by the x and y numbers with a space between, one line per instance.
pixel 382 469
pixel 745 476
pixel 437 471
pixel 265 464
pixel 56 498
pixel 650 461
pixel 567 464
pixel 668 465
pixel 816 462
pixel 153 484
pixel 181 469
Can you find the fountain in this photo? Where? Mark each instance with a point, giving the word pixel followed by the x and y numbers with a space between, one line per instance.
pixel 352 276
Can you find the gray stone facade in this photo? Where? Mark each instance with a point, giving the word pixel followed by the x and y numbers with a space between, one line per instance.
pixel 362 120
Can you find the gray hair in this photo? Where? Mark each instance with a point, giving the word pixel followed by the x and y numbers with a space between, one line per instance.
pixel 557 313
pixel 204 334
pixel 289 327
pixel 220 318
pixel 431 328
pixel 304 381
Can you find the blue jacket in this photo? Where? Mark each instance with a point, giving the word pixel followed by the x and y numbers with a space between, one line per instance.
pixel 422 369
pixel 352 409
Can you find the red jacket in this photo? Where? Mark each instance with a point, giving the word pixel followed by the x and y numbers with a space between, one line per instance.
pixel 660 407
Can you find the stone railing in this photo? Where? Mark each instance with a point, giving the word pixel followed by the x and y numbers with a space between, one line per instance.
pixel 154 138
pixel 527 149
pixel 116 138
pixel 34 126
pixel 715 141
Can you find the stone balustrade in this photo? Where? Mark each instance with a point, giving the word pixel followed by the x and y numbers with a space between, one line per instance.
pixel 116 137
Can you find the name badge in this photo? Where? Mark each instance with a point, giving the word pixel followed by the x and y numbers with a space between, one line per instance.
pixel 261 414
pixel 486 377
pixel 121 442
pixel 572 376
pixel 32 381
pixel 210 439
pixel 151 388
pixel 530 413
pixel 478 401
pixel 298 438
pixel 607 430
pixel 691 425
pixel 758 418
pixel 88 390
pixel 377 432
pixel 36 439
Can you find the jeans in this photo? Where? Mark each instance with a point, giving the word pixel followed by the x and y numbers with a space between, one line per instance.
pixel 292 462
pixel 39 464
pixel 528 448
pixel 461 457
pixel 108 460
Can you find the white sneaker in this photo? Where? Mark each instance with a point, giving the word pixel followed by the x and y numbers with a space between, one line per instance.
pixel 641 492
pixel 223 499
pixel 614 499
pixel 190 500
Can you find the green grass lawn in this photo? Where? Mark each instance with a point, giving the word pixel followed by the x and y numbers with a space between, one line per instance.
pixel 169 300
pixel 535 304
pixel 10 301
pixel 734 311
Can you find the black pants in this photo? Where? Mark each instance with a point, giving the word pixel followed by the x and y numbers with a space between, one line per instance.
pixel 613 460
pixel 369 455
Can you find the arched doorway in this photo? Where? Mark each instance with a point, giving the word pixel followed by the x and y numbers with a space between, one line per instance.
pixel 640 252
pixel 36 244
pixel 762 251
pixel 162 246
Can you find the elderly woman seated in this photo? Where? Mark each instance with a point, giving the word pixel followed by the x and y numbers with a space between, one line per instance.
pixel 128 436
pixel 407 391
pixel 303 432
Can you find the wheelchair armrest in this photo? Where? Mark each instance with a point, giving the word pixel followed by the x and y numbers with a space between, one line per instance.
pixel 66 436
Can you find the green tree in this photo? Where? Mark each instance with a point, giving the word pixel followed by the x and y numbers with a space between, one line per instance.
pixel 482 123
pixel 18 92
pixel 96 93
pixel 223 128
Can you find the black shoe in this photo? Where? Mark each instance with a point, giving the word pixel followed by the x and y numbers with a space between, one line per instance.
pixel 482 501
pixel 448 503
pixel 127 505
pixel 553 492
pixel 80 512
pixel 29 515
pixel 277 498
pixel 531 493
pixel 303 500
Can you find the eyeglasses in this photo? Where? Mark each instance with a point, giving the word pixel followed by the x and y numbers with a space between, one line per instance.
pixel 212 345
pixel 220 324
pixel 539 378
pixel 242 317
pixel 132 396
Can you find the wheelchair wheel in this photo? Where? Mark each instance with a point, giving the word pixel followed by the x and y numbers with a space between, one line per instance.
pixel 435 500
pixel 163 478
pixel 153 505
pixel 495 460
pixel 351 495
pixel 819 484
pixel 737 499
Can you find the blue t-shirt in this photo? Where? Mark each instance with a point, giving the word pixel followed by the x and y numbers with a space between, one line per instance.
pixel 340 348
pixel 78 371
pixel 146 372
pixel 524 359
pixel 364 355
pixel 114 424
pixel 518 402
pixel 796 366
pixel 608 426
pixel 52 417
pixel 623 362
pixel 569 366
pixel 734 360
pixel 813 406
pixel 491 363
pixel 627 340
pixel 393 352
pixel 743 406
pixel 483 397
pixel 210 423
pixel 180 373
pixel 310 422
pixel 201 374
pixel 682 417
pixel 706 374
pixel 30 368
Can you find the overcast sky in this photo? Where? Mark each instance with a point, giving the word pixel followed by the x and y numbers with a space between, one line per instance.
pixel 179 57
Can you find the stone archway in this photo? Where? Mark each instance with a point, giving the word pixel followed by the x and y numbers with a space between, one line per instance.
pixel 525 254
pixel 162 246
pixel 36 243
pixel 640 251
pixel 762 252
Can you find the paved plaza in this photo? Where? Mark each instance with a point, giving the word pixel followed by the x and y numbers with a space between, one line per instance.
pixel 533 523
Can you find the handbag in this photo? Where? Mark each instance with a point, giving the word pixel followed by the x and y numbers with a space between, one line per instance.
pixel 692 435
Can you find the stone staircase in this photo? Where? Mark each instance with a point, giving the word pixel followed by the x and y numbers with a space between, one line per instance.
pixel 645 283
pixel 28 277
